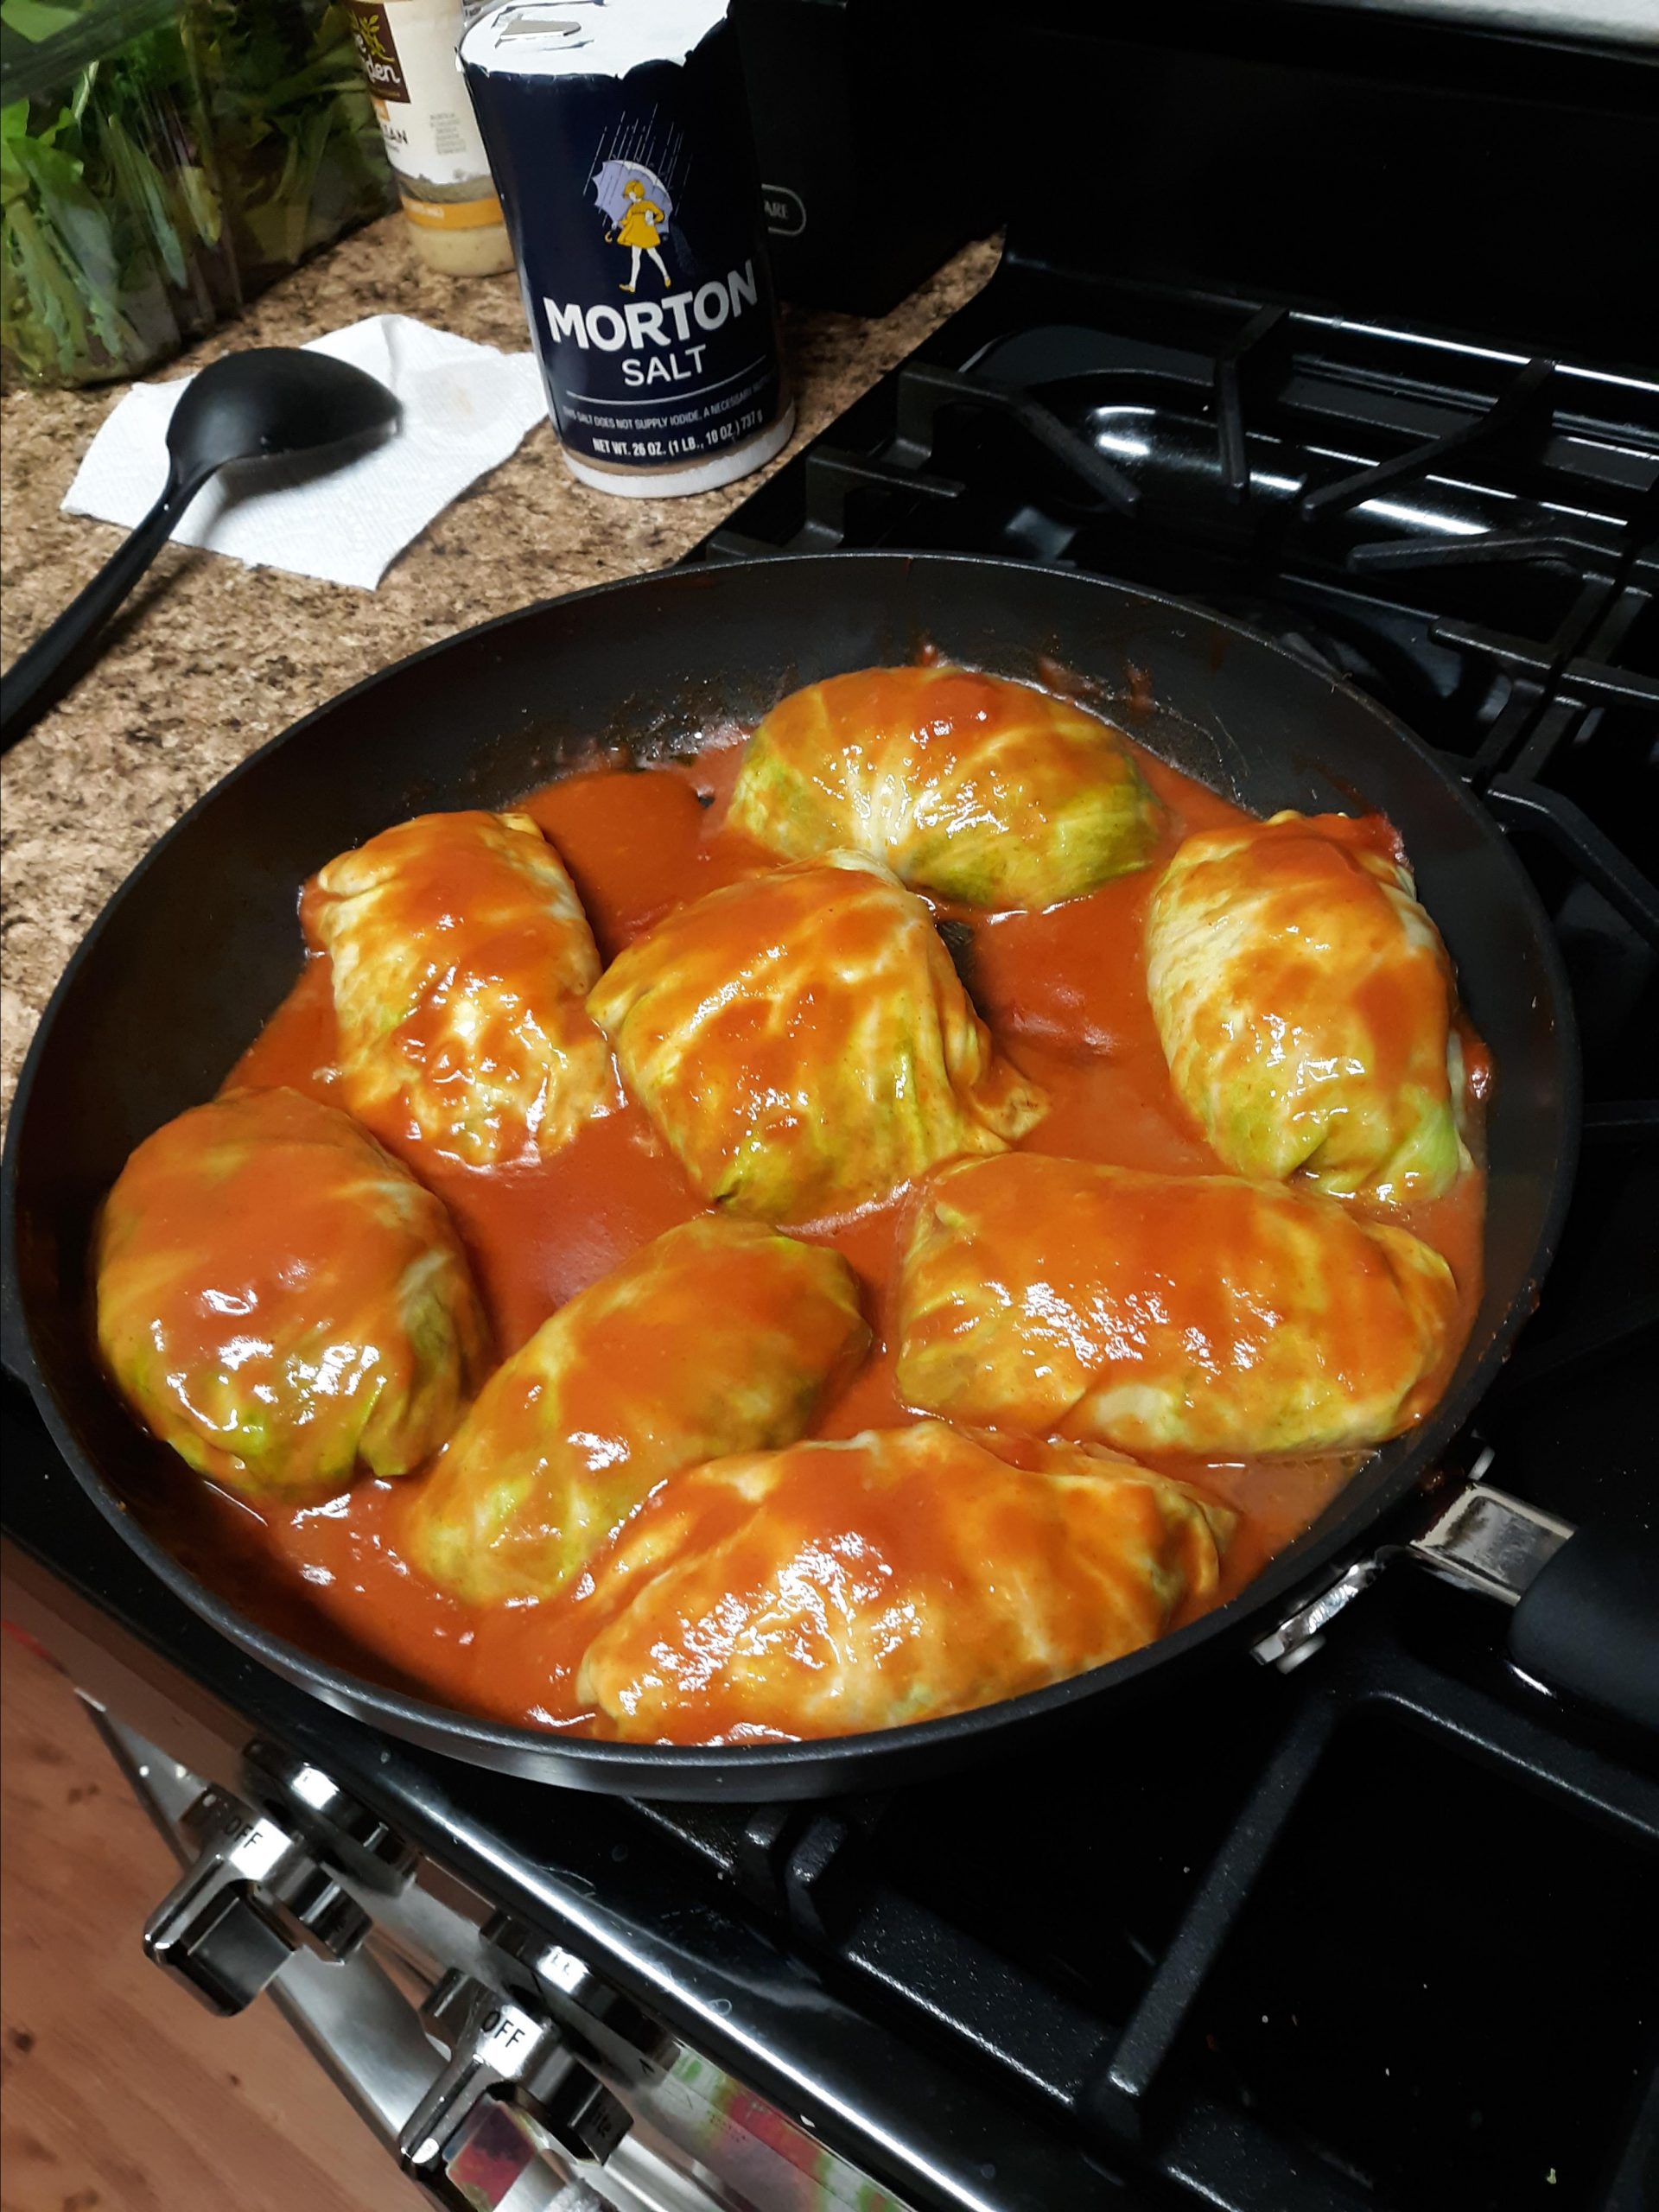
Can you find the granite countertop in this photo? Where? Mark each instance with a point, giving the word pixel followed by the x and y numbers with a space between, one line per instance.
pixel 211 658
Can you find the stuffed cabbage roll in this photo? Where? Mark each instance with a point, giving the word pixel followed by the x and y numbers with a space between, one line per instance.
pixel 966 785
pixel 281 1301
pixel 462 957
pixel 907 1572
pixel 1166 1312
pixel 1305 1003
pixel 717 1337
pixel 804 1044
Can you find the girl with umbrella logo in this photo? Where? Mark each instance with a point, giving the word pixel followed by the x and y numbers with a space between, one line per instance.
pixel 637 204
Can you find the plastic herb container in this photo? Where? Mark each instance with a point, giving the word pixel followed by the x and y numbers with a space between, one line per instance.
pixel 294 128
pixel 161 161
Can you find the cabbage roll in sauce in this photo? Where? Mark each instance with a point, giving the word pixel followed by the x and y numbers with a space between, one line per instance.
pixel 718 1337
pixel 803 1043
pixel 967 786
pixel 904 1573
pixel 461 959
pixel 281 1301
pixel 1305 1003
pixel 1163 1312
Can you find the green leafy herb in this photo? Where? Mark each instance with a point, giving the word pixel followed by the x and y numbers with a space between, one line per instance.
pixel 297 141
pixel 36 21
pixel 159 163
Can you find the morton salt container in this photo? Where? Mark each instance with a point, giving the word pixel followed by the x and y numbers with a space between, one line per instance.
pixel 619 143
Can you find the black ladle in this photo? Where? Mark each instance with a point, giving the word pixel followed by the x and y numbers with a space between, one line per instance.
pixel 269 404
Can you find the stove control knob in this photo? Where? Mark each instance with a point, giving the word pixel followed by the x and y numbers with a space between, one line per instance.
pixel 343 1830
pixel 254 1895
pixel 620 2032
pixel 504 2052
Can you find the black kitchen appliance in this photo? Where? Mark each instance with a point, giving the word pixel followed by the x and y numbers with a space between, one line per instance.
pixel 858 110
pixel 1378 1931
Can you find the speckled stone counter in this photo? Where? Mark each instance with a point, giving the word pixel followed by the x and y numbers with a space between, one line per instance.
pixel 211 658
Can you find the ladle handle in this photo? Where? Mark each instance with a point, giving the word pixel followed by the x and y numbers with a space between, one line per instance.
pixel 34 678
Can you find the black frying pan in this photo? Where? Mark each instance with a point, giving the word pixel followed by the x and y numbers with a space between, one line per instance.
pixel 185 964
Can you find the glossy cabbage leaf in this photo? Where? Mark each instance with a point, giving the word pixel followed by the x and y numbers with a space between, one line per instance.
pixel 906 1573
pixel 967 786
pixel 1163 1312
pixel 1305 1001
pixel 717 1337
pixel 804 1044
pixel 281 1301
pixel 461 959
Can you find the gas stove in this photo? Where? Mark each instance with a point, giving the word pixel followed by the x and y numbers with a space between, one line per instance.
pixel 1329 1931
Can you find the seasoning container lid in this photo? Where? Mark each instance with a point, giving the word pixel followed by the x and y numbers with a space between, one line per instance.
pixel 581 38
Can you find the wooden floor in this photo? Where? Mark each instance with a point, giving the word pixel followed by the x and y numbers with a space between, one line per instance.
pixel 121 2093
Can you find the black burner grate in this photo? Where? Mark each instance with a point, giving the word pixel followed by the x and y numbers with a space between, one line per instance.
pixel 1172 1967
pixel 1282 1951
pixel 1468 537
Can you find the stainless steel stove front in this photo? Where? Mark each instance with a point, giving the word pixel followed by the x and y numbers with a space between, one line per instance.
pixel 499 2070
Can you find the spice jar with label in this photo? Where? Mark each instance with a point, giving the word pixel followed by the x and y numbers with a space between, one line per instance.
pixel 408 51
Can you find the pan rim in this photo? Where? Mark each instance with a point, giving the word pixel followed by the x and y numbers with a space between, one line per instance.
pixel 1301 1566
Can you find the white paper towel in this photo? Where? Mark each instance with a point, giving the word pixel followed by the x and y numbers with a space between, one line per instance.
pixel 466 408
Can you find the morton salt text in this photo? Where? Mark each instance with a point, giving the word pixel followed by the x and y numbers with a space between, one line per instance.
pixel 666 322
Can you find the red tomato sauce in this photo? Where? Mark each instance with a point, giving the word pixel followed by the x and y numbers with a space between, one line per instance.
pixel 1064 992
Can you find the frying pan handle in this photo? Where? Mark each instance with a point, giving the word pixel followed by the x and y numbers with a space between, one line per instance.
pixel 1588 1624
